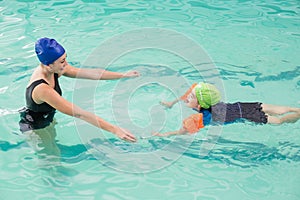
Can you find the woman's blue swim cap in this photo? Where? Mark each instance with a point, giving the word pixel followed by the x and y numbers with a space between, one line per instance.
pixel 48 50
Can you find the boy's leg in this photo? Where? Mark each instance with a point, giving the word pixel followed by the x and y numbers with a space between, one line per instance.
pixel 278 110
pixel 289 118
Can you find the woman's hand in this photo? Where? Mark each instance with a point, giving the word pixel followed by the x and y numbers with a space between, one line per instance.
pixel 125 135
pixel 131 74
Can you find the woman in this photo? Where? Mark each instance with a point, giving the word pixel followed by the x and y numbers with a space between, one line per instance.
pixel 43 93
pixel 205 99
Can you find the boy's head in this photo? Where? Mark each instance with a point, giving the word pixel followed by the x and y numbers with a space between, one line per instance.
pixel 202 95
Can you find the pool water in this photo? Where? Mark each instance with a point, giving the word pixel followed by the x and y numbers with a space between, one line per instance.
pixel 249 48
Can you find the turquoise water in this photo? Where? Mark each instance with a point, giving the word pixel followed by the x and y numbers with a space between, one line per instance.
pixel 250 48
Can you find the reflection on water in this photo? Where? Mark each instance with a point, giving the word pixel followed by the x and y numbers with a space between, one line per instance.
pixel 229 152
pixel 247 154
pixel 230 71
pixel 283 75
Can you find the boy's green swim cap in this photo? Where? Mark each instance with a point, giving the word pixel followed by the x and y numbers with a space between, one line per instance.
pixel 207 95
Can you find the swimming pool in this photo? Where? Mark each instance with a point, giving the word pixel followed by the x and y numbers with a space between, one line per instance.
pixel 250 47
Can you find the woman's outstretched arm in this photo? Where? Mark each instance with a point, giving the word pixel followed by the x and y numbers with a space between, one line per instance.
pixel 44 93
pixel 96 74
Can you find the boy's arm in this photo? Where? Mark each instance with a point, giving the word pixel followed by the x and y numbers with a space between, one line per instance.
pixel 178 132
pixel 191 125
pixel 182 98
pixel 169 104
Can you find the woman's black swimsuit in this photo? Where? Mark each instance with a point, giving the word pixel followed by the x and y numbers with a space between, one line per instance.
pixel 37 116
pixel 231 112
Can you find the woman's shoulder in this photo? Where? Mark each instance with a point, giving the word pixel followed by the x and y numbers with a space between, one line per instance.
pixel 37 77
pixel 36 81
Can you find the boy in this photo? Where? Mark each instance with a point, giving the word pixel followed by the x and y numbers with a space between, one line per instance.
pixel 205 99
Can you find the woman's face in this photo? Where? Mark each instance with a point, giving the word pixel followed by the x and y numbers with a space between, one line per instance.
pixel 191 100
pixel 59 65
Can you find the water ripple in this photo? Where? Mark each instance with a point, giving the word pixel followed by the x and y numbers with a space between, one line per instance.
pixel 205 5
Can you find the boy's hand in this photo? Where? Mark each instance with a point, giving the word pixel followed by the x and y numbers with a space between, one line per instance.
pixel 166 104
